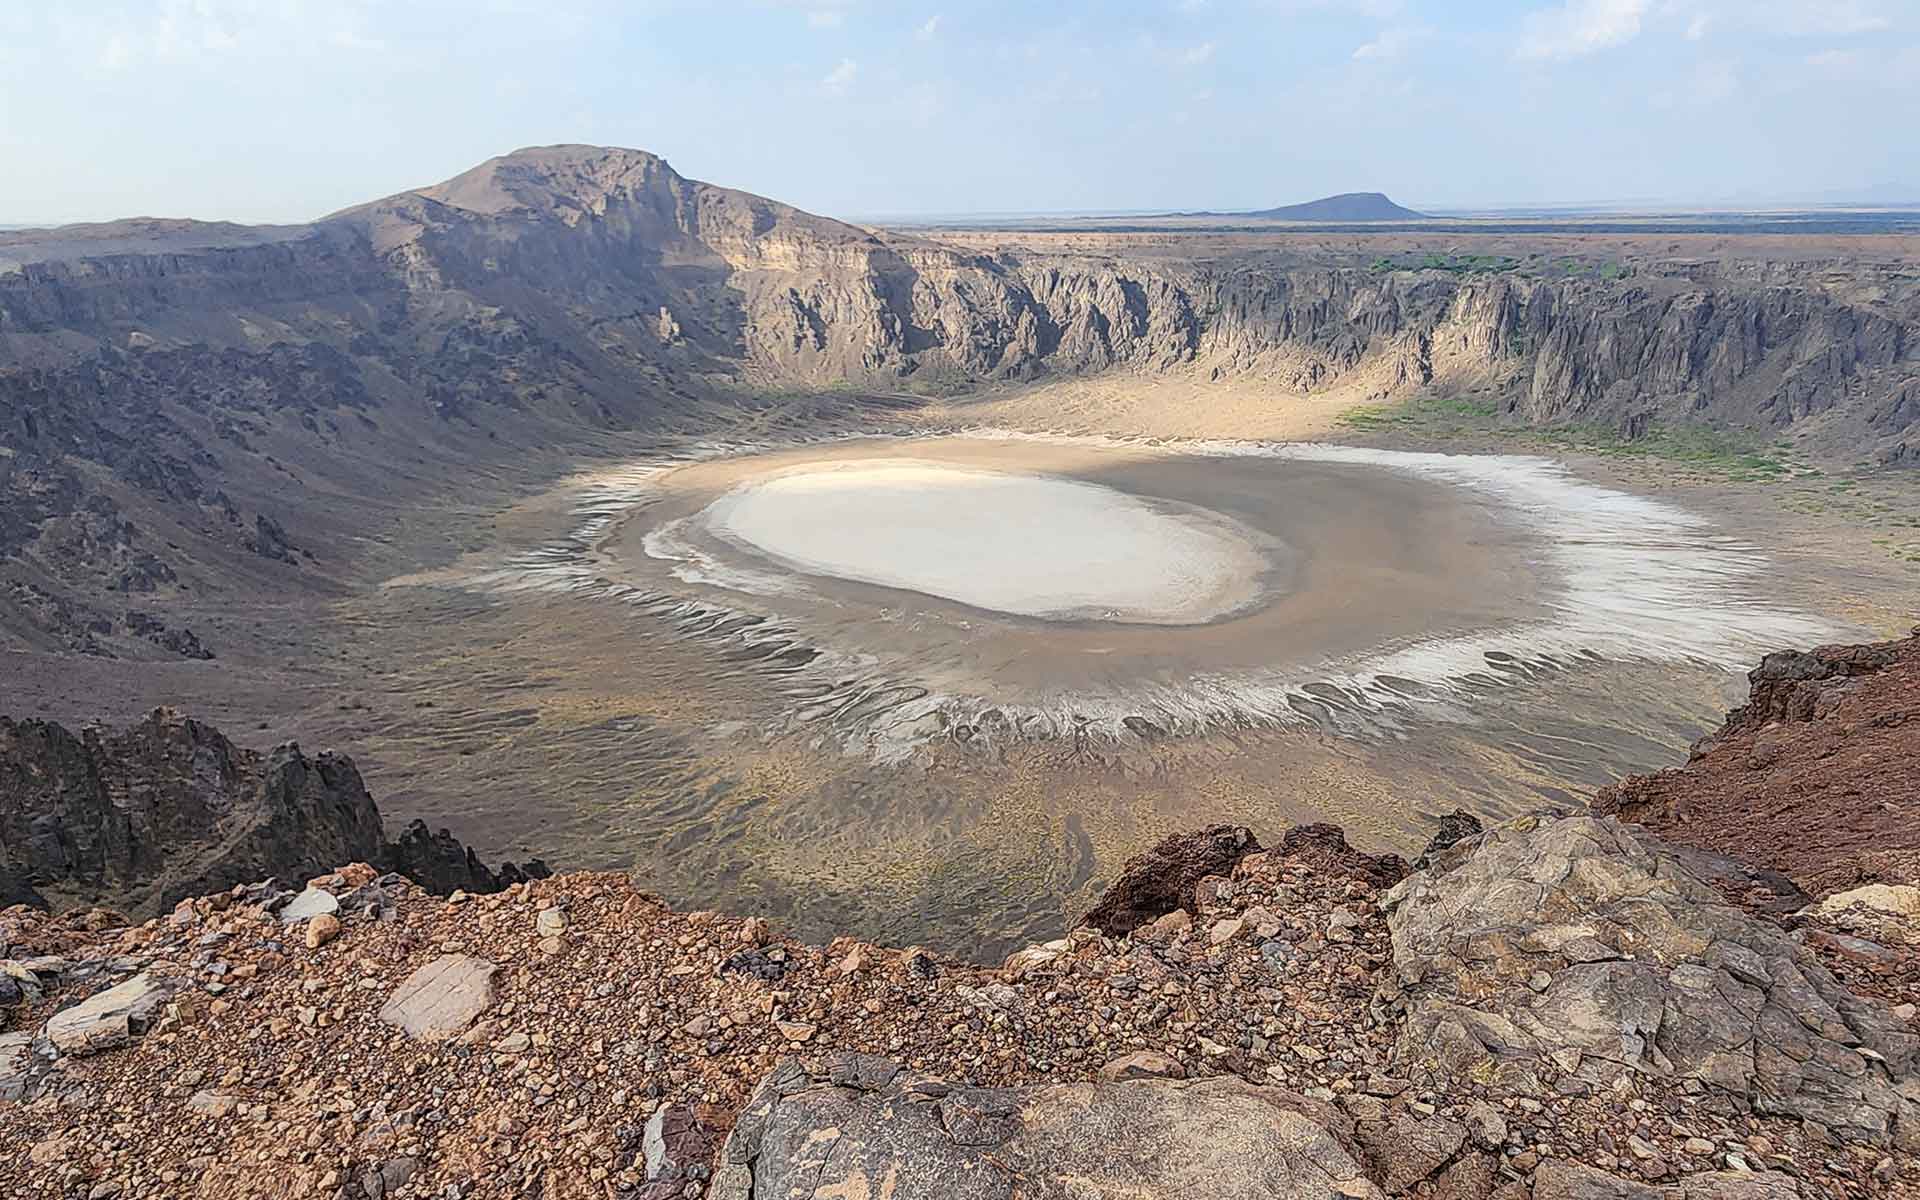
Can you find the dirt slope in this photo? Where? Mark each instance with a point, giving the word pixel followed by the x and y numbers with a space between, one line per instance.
pixel 1813 777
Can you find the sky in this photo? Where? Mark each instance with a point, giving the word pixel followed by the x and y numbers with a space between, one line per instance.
pixel 285 110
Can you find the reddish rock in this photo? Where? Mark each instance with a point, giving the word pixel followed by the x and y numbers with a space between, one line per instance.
pixel 1143 1064
pixel 1156 883
pixel 1325 849
pixel 1812 777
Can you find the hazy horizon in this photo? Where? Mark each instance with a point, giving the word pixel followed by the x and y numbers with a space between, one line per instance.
pixel 920 110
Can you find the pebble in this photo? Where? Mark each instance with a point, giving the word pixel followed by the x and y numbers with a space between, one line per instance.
pixel 321 930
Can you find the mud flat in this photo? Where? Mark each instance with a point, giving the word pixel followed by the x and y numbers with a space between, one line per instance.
pixel 1018 587
pixel 624 681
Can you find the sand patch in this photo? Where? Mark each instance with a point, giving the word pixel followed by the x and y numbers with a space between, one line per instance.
pixel 1174 405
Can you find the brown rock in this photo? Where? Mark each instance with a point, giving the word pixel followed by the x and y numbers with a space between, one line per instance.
pixel 1811 778
pixel 1222 932
pixel 1162 880
pixel 1324 848
pixel 855 960
pixel 1173 924
pixel 1143 1064
pixel 1030 959
pixel 1409 1147
pixel 321 930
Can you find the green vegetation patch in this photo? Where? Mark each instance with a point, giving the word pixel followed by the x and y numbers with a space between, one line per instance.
pixel 1458 264
pixel 1736 456
pixel 1422 413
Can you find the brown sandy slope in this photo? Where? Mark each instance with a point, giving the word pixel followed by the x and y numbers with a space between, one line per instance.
pixel 1816 776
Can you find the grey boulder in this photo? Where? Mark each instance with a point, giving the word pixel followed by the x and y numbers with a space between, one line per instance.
pixel 854 1125
pixel 1636 966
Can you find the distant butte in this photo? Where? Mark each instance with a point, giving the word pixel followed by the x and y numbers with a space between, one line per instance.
pixel 1347 206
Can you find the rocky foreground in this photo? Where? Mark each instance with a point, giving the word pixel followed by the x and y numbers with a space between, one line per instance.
pixel 1556 1008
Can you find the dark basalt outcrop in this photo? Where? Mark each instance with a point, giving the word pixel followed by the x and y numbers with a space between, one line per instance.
pixel 1155 883
pixel 14 889
pixel 1324 847
pixel 141 817
pixel 442 864
pixel 1455 827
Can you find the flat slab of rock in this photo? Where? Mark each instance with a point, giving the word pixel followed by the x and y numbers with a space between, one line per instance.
pixel 111 1019
pixel 854 1125
pixel 442 998
pixel 1559 1180
pixel 314 902
pixel 16 1056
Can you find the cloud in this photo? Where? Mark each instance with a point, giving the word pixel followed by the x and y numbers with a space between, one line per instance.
pixel 1391 44
pixel 1842 62
pixel 841 77
pixel 1580 27
pixel 1195 56
pixel 825 18
pixel 1787 18
pixel 927 31
pixel 1807 18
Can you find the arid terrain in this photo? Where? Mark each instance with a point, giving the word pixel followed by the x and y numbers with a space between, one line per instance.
pixel 1200 706
pixel 1552 1008
pixel 386 483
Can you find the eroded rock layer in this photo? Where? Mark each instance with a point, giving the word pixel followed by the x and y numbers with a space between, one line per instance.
pixel 138 818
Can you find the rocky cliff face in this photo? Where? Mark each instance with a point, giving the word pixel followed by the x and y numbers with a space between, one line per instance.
pixel 171 393
pixel 138 818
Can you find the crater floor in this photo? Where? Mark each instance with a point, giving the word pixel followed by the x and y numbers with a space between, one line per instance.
pixel 1023 588
pixel 894 684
